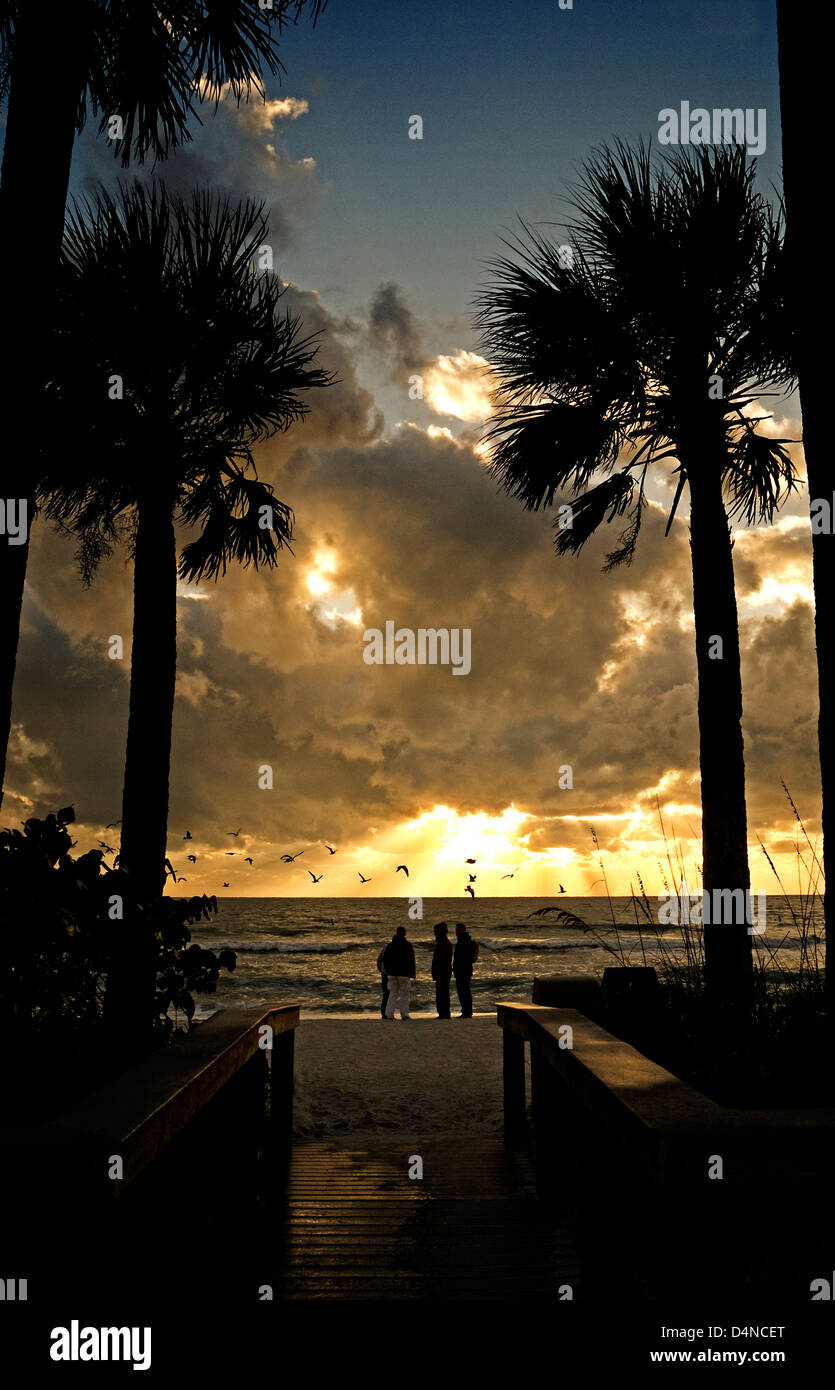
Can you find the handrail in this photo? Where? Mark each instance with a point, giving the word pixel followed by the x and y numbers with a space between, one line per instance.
pixel 606 1073
pixel 138 1114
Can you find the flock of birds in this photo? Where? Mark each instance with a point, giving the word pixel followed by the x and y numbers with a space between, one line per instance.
pixel 291 859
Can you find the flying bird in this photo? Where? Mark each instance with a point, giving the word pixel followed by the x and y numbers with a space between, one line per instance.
pixel 562 890
pixel 469 889
pixel 290 858
pixel 113 824
pixel 236 833
pixel 108 849
pixel 230 851
pixel 328 847
pixel 182 880
pixel 187 835
pixel 247 861
pixel 226 885
pixel 469 861
pixel 403 867
pixel 192 859
pixel 364 880
pixel 473 878
pixel 516 870
pixel 313 876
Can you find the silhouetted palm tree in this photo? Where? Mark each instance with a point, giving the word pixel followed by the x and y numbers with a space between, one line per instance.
pixel 804 108
pixel 611 356
pixel 150 62
pixel 162 294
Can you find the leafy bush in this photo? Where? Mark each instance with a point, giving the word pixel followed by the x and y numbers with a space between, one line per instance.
pixel 61 931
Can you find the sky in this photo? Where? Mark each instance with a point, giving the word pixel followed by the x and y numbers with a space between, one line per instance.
pixel 382 241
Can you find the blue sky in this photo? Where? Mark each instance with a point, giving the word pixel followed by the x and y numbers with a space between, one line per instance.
pixel 513 97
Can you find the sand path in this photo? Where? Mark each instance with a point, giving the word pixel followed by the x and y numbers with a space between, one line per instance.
pixel 363 1080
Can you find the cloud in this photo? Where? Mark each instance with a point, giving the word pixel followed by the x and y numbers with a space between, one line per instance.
pixel 228 151
pixel 394 332
pixel 570 666
pixel 459 385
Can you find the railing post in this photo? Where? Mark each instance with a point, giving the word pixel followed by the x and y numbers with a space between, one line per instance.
pixel 513 1072
pixel 281 1095
pixel 545 1124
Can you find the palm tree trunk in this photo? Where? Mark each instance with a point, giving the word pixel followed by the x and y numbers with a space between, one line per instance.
pixel 46 79
pixel 132 975
pixel 152 678
pixel 728 959
pixel 804 93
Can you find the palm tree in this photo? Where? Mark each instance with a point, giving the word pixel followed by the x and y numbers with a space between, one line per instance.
pixel 161 292
pixel 151 62
pixel 804 95
pixel 644 340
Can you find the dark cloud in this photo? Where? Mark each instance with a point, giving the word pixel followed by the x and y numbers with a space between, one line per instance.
pixel 395 333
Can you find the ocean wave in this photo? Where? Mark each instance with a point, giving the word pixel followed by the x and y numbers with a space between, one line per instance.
pixel 284 948
pixel 491 944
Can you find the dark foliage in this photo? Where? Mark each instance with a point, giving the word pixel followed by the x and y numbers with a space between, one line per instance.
pixel 60 919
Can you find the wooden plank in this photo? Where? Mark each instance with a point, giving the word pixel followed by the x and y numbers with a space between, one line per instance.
pixel 470 1229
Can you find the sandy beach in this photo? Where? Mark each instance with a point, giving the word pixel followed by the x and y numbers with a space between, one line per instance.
pixel 361 1080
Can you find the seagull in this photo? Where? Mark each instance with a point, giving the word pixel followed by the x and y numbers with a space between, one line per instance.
pixel 192 859
pixel 230 851
pixel 289 858
pixel 469 861
pixel 516 870
pixel 182 880
pixel 473 878
pixel 226 885
pixel 236 833
pixel 187 835
pixel 562 890
pixel 313 876
pixel 328 847
pixel 108 849
pixel 469 889
pixel 403 867
pixel 247 861
pixel 364 880
pixel 113 824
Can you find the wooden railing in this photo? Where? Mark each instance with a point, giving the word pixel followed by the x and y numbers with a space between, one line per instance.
pixel 215 1087
pixel 658 1175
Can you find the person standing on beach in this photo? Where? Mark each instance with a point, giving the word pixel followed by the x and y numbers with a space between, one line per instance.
pixel 466 955
pixel 399 965
pixel 442 969
pixel 384 980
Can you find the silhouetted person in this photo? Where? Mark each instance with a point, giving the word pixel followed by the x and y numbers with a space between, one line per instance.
pixel 384 980
pixel 465 957
pixel 399 965
pixel 442 969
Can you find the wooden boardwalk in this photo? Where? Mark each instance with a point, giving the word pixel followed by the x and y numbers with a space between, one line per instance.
pixel 356 1226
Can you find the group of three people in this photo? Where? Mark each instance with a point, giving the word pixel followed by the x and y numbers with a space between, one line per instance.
pixel 396 964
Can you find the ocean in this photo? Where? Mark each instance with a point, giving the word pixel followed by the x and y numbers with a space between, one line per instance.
pixel 321 953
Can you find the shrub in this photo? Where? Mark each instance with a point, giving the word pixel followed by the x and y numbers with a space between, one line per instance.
pixel 61 931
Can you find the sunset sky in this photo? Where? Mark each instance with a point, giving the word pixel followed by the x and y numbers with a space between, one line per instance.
pixel 382 241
